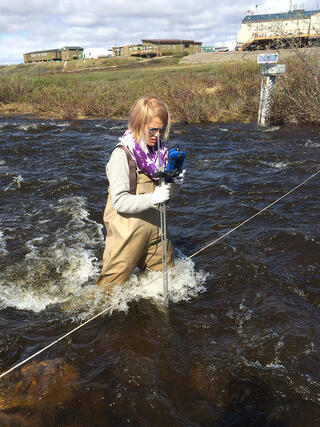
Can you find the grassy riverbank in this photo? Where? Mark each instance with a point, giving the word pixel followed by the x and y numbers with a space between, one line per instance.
pixel 215 92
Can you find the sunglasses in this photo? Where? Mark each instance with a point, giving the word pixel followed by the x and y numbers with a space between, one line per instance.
pixel 154 130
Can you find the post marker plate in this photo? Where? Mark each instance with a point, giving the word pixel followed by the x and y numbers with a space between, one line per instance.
pixel 271 58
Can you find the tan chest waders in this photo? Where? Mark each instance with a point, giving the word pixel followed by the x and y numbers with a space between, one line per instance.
pixel 133 240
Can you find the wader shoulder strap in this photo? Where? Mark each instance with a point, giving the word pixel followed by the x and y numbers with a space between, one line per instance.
pixel 132 170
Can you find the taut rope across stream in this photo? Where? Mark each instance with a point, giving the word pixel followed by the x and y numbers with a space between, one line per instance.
pixel 112 306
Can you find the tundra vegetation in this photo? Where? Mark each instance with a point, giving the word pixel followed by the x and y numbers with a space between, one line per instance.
pixel 215 92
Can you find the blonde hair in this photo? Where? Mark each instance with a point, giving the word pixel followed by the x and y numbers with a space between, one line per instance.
pixel 143 111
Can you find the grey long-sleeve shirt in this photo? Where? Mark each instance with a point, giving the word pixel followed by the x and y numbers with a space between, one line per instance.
pixel 119 183
pixel 118 175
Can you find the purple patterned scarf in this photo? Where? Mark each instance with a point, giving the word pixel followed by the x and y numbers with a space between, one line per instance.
pixel 146 157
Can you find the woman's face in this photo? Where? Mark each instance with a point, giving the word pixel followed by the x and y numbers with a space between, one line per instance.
pixel 153 130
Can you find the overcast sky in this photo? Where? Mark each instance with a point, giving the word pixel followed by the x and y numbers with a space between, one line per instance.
pixel 29 25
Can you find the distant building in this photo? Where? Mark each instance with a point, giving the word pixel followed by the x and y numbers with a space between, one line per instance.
pixel 222 49
pixel 231 45
pixel 96 52
pixel 158 47
pixel 65 54
pixel 169 46
pixel 206 49
pixel 123 50
pixel 71 52
pixel 42 56
pixel 280 29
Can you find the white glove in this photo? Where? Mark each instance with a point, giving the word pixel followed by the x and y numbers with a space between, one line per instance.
pixel 160 194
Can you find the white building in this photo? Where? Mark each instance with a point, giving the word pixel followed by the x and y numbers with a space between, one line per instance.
pixel 261 30
pixel 96 52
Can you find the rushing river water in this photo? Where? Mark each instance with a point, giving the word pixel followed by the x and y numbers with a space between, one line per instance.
pixel 239 344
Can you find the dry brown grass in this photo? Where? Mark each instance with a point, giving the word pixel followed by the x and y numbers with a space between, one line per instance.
pixel 297 97
pixel 212 93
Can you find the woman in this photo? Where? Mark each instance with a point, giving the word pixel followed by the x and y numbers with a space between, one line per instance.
pixel 131 215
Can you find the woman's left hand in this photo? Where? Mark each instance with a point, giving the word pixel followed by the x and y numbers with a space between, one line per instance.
pixel 176 184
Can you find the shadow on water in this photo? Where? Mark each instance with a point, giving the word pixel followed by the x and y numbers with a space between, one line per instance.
pixel 239 345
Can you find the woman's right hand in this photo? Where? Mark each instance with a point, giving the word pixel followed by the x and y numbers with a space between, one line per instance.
pixel 160 194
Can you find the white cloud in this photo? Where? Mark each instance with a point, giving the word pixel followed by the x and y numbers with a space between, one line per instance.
pixel 41 24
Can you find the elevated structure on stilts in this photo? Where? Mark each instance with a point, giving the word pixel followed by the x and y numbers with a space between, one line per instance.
pixel 280 30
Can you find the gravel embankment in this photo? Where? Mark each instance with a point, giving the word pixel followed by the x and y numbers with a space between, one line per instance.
pixel 202 58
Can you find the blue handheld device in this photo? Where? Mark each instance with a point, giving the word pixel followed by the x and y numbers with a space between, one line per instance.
pixel 175 162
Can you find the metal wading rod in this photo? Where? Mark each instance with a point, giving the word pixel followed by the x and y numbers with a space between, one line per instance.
pixel 165 264
pixel 163 226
